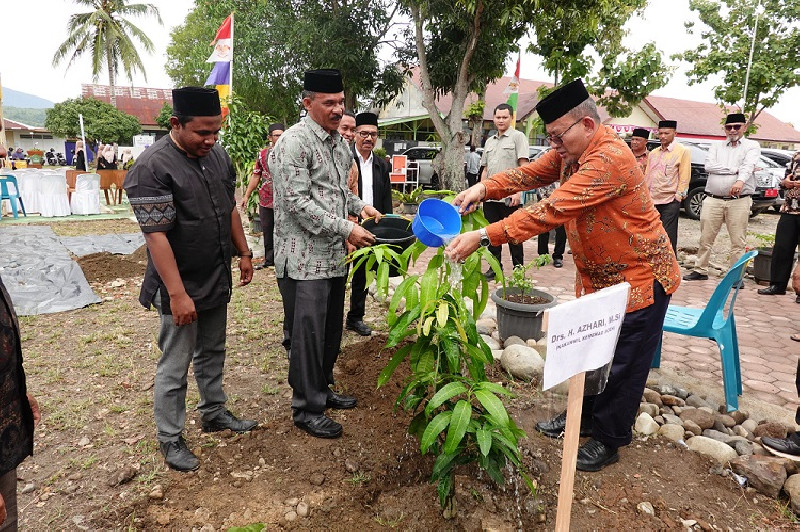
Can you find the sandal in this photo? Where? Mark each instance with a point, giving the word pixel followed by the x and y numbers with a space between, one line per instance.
pixel 795 337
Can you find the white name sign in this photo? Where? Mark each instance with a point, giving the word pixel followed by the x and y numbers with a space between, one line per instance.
pixel 582 334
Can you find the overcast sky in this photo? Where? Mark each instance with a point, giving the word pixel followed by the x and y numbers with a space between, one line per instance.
pixel 25 64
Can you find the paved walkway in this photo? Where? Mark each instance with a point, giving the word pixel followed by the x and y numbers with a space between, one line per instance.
pixel 764 323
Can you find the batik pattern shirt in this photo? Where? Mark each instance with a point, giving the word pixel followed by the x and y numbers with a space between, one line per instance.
pixel 614 231
pixel 16 417
pixel 669 171
pixel 265 196
pixel 310 168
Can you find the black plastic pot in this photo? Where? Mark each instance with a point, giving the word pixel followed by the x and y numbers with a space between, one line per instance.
pixel 762 265
pixel 520 319
pixel 394 230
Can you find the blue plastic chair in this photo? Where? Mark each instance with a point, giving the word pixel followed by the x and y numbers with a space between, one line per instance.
pixel 7 194
pixel 712 322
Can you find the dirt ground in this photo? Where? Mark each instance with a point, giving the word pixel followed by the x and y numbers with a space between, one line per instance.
pixel 97 466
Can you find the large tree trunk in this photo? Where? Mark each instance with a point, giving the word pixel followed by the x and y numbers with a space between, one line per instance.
pixel 449 165
pixel 111 80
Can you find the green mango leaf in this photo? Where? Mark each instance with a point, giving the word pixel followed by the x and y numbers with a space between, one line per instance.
pixel 443 465
pixel 452 352
pixel 494 388
pixel 401 328
pixel 395 361
pixel 493 405
pixel 383 279
pixel 426 362
pixel 444 489
pixel 399 294
pixel 462 413
pixel 448 391
pixel 434 428
pixel 412 296
pixel 427 287
pixel 484 438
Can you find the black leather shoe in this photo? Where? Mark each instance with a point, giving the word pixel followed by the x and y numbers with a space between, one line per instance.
pixel 771 290
pixel 695 276
pixel 595 455
pixel 320 427
pixel 226 420
pixel 490 275
pixel 784 447
pixel 558 263
pixel 554 428
pixel 360 327
pixel 339 401
pixel 178 456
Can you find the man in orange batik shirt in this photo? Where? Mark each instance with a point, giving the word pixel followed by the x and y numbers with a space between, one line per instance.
pixel 615 235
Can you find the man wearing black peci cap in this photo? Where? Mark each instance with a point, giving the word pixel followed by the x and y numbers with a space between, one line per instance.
pixel 731 183
pixel 669 169
pixel 182 193
pixel 310 165
pixel 374 188
pixel 615 235
pixel 639 146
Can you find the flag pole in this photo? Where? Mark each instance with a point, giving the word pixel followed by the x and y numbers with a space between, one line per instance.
pixel 230 70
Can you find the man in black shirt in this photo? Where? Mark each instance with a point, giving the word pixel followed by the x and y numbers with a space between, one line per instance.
pixel 182 192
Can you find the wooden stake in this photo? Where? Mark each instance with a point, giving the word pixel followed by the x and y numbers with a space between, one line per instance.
pixel 569 459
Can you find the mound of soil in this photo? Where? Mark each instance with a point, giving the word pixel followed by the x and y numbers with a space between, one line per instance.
pixel 104 266
pixel 374 476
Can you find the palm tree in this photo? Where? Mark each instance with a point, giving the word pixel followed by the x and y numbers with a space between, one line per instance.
pixel 107 36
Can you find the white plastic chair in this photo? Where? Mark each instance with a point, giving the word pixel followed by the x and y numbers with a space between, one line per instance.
pixel 29 189
pixel 53 196
pixel 86 197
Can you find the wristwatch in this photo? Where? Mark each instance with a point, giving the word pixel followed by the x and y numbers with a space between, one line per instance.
pixel 484 238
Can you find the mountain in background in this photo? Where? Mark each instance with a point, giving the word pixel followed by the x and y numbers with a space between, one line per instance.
pixel 12 98
pixel 23 107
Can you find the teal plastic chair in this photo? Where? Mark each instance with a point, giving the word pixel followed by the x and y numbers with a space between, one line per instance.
pixel 716 322
pixel 11 193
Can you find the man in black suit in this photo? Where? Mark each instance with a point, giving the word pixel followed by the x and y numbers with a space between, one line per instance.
pixel 375 189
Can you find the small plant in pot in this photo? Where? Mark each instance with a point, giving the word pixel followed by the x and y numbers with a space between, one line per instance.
pixel 412 199
pixel 520 307
pixel 762 263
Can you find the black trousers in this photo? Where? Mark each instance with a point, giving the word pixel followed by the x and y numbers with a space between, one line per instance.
pixel 787 237
pixel 669 219
pixel 471 179
pixel 561 243
pixel 313 312
pixel 614 410
pixel 267 217
pixel 494 211
pixel 358 296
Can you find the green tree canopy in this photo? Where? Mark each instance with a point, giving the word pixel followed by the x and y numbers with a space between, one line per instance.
pixel 102 122
pixel 727 38
pixel 108 37
pixel 277 40
pixel 565 36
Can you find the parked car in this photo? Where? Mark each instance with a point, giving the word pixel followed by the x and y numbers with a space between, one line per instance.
pixel 421 159
pixel 781 157
pixel 534 152
pixel 764 197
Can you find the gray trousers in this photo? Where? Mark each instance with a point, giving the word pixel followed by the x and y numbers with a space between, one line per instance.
pixel 313 312
pixel 8 489
pixel 202 344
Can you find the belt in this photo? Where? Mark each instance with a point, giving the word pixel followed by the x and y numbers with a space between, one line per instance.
pixel 728 197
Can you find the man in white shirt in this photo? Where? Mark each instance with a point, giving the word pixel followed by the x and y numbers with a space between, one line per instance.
pixel 731 183
pixel 473 166
pixel 375 189
pixel 505 150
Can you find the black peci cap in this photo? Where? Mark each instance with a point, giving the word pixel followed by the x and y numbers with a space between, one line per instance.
pixel 366 119
pixel 668 123
pixel 195 101
pixel 641 132
pixel 326 80
pixel 561 101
